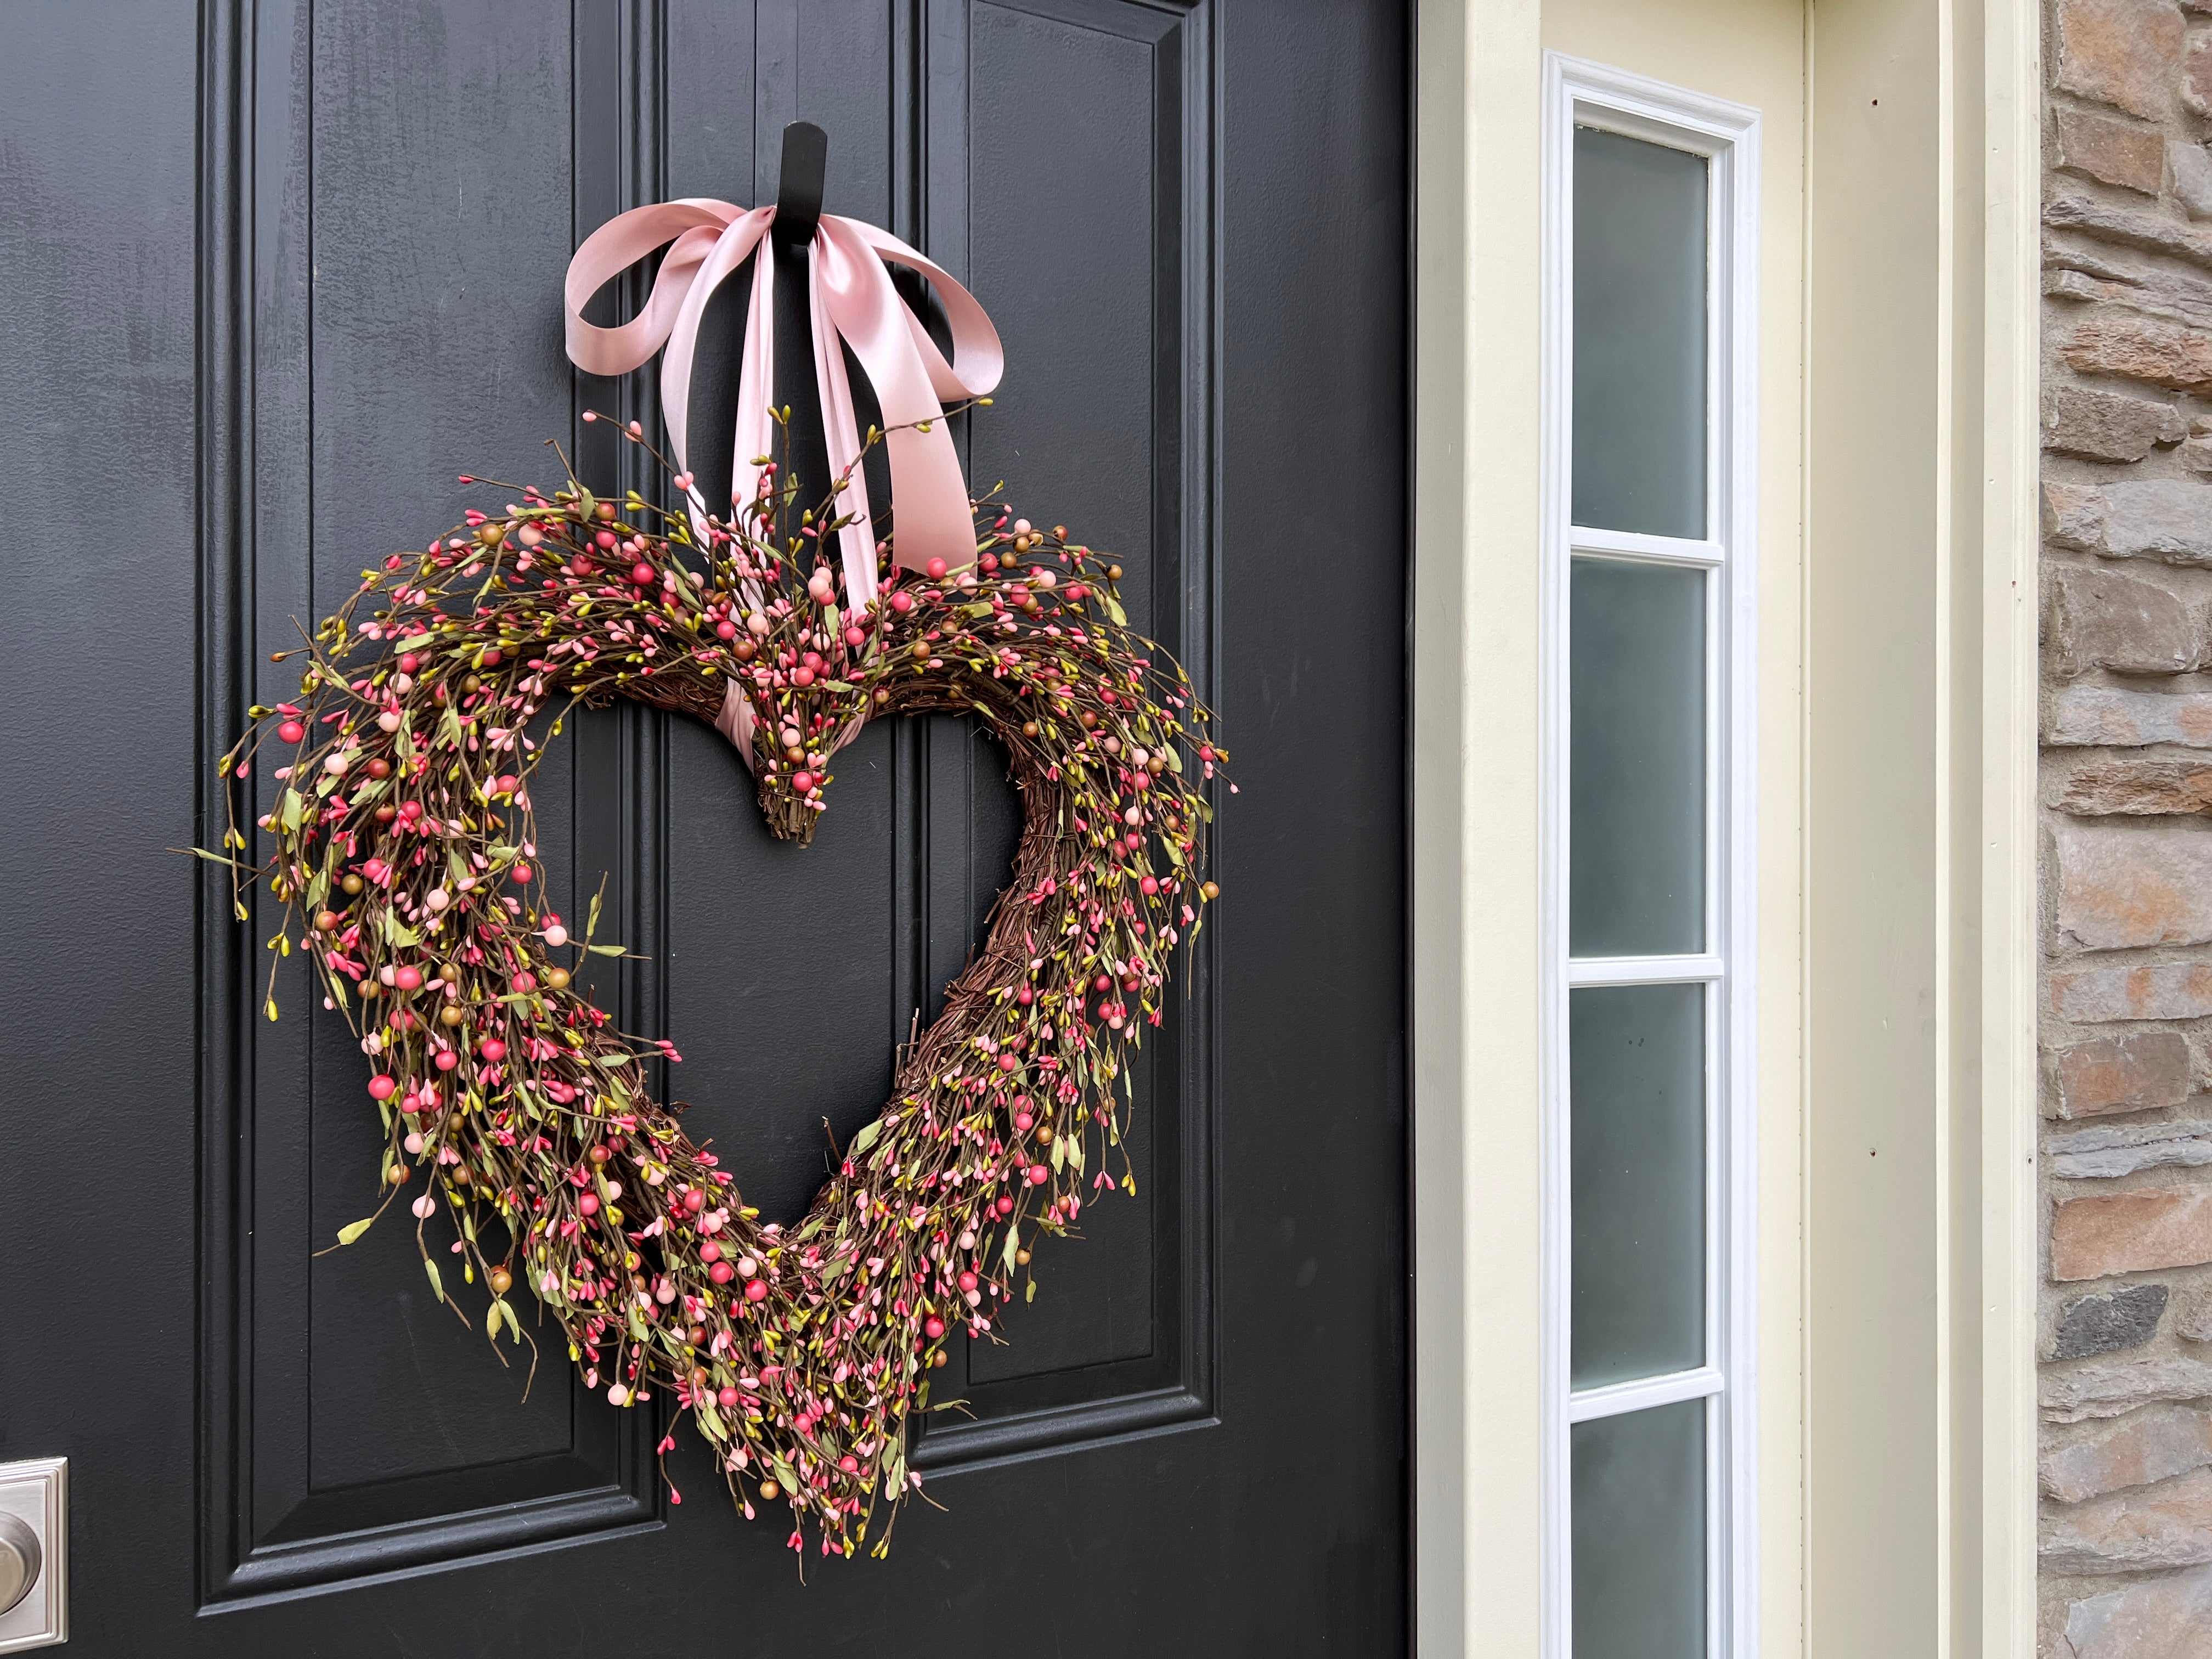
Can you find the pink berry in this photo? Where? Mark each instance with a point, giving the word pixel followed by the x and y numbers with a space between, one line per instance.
pixel 932 1328
pixel 727 1397
pixel 901 603
pixel 710 1251
pixel 726 629
pixel 1006 1205
pixel 936 569
pixel 802 781
pixel 756 1290
pixel 446 1060
pixel 409 663
pixel 588 1204
pixel 642 573
pixel 695 1201
pixel 408 979
pixel 381 1087
pixel 855 638
pixel 722 1272
pixel 291 732
pixel 968 1281
pixel 492 1049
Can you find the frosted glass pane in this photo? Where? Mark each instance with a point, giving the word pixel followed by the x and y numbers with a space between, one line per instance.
pixel 1635 873
pixel 1639 335
pixel 1639 1534
pixel 1637 1119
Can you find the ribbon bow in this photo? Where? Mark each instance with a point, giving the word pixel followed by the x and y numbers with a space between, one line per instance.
pixel 852 301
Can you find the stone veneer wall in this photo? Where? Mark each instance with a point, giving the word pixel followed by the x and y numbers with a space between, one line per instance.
pixel 2126 779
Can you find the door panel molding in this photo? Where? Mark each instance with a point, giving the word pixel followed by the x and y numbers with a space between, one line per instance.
pixel 270 1527
pixel 974 52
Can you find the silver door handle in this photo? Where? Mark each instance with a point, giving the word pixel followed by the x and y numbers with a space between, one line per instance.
pixel 19 1560
pixel 34 1553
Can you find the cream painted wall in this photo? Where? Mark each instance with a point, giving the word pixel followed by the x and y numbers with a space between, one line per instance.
pixel 1897 752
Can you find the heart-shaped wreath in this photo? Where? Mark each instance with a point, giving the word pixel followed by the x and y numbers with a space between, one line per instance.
pixel 405 852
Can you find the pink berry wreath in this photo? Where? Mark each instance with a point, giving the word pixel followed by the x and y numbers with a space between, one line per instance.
pixel 405 854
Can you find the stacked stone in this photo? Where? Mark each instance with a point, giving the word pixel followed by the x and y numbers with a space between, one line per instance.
pixel 2126 1465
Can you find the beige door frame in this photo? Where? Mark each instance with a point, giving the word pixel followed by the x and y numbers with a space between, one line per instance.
pixel 1907 1254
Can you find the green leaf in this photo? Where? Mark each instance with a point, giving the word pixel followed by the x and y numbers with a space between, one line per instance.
pixel 415 643
pixel 291 809
pixel 604 949
pixel 1031 1297
pixel 397 931
pixel 1113 610
pixel 865 1138
pixel 1013 1243
pixel 437 1284
pixel 353 1230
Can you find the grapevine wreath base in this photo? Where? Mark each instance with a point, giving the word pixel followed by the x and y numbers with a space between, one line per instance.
pixel 406 855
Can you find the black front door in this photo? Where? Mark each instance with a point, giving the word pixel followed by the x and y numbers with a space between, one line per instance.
pixel 277 273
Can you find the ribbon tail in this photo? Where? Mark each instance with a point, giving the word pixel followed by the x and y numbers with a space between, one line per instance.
pixel 840 432
pixel 756 386
pixel 711 267
pixel 735 721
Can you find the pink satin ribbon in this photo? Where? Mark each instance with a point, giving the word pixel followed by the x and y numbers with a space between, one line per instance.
pixel 853 300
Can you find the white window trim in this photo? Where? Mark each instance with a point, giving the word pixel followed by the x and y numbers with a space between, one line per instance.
pixel 1577 92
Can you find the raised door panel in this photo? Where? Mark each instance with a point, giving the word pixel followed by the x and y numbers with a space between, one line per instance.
pixel 411 159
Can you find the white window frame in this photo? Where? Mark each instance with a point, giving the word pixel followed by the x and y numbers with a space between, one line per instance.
pixel 1579 93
